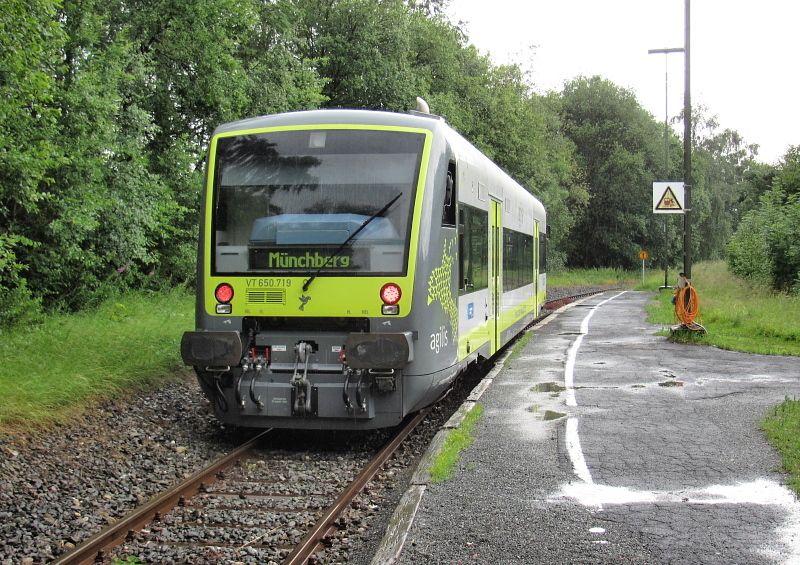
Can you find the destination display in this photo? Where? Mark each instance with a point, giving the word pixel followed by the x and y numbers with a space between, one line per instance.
pixel 305 259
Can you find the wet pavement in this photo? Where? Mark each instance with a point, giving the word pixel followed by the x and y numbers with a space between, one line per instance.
pixel 604 443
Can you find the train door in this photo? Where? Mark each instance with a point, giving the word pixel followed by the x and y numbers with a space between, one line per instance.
pixel 496 266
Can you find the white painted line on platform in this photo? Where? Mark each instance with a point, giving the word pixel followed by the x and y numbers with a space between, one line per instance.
pixel 575 453
pixel 572 354
pixel 760 492
pixel 569 370
pixel 573 439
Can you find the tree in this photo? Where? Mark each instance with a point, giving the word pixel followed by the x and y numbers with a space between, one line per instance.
pixel 618 146
pixel 30 40
pixel 721 160
pixel 363 51
pixel 766 245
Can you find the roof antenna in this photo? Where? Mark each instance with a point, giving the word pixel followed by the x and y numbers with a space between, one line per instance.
pixel 422 106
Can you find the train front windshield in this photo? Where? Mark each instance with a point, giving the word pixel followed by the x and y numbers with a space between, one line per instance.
pixel 284 202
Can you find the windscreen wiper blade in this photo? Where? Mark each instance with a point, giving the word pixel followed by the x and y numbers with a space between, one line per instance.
pixel 344 244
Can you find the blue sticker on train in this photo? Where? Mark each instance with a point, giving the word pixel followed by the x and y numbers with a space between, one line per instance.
pixel 470 310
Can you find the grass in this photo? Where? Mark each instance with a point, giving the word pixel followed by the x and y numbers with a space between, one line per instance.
pixel 54 370
pixel 593 277
pixel 457 440
pixel 782 427
pixel 651 280
pixel 739 316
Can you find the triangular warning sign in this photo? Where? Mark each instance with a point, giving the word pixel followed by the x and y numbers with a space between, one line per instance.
pixel 668 201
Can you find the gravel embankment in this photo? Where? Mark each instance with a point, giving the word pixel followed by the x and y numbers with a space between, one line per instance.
pixel 61 486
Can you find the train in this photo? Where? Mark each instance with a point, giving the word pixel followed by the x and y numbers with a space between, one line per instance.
pixel 351 263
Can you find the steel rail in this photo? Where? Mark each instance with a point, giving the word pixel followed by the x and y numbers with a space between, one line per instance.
pixel 315 537
pixel 93 549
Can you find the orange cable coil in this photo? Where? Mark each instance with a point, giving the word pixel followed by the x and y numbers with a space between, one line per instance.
pixel 687 305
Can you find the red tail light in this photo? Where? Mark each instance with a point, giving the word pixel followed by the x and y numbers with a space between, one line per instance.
pixel 391 293
pixel 224 293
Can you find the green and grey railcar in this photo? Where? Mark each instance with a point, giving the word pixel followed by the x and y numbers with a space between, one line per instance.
pixel 351 264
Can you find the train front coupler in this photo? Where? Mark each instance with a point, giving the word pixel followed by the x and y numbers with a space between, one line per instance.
pixel 254 363
pixel 361 400
pixel 300 382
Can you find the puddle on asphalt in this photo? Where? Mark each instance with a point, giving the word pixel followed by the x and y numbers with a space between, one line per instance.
pixel 671 383
pixel 547 415
pixel 548 387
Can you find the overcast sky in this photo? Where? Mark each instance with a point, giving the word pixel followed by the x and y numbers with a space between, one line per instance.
pixel 744 55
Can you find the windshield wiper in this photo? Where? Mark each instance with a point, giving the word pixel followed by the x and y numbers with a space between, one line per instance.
pixel 349 239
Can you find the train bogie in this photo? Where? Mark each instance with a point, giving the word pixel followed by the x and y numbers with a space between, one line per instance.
pixel 351 264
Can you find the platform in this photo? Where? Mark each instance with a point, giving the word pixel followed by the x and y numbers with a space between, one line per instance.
pixel 602 442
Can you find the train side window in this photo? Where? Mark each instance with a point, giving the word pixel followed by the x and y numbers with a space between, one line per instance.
pixel 449 208
pixel 517 259
pixel 473 249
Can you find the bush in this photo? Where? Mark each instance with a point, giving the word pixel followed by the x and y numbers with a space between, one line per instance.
pixel 766 245
pixel 16 301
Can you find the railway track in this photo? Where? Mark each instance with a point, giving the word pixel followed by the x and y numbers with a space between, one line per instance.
pixel 244 508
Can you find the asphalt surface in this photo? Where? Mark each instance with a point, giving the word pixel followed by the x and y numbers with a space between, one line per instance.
pixel 604 443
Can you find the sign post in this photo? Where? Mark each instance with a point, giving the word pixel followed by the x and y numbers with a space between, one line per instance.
pixel 644 256
pixel 668 198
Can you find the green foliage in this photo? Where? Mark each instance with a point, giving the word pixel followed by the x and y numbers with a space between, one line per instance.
pixel 782 428
pixel 363 50
pixel 766 245
pixel 593 277
pixel 30 40
pixel 105 111
pixel 17 303
pixel 721 162
pixel 130 559
pixel 495 109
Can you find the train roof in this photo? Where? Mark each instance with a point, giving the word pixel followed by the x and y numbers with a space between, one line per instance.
pixel 334 116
